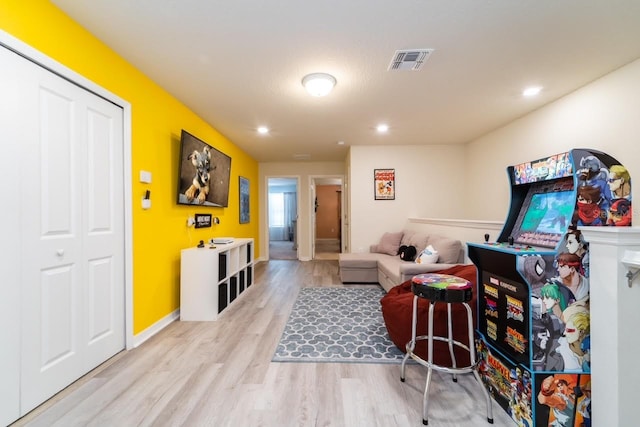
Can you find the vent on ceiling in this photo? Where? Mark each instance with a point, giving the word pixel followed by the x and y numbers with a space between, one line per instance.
pixel 410 59
pixel 301 156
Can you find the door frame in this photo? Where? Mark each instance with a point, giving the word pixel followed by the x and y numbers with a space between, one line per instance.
pixel 264 250
pixel 37 57
pixel 327 180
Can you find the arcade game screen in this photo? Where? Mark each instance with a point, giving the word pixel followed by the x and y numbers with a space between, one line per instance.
pixel 544 218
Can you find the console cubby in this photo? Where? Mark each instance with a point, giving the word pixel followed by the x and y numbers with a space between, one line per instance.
pixel 212 278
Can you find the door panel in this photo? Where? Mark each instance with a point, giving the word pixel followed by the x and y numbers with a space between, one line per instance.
pixel 57 290
pixel 104 230
pixel 52 299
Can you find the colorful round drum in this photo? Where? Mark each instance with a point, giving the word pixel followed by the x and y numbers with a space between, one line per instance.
pixel 442 287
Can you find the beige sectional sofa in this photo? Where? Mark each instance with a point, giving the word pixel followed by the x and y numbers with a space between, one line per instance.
pixel 382 264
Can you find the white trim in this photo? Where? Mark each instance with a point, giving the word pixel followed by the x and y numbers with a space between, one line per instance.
pixel 143 336
pixel 466 223
pixel 54 66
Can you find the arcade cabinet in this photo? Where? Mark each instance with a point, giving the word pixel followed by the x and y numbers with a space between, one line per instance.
pixel 533 286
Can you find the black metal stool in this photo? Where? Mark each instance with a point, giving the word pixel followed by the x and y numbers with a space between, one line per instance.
pixel 451 290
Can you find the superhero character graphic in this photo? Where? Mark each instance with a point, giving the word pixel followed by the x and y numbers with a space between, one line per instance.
pixel 584 404
pixel 620 213
pixel 576 244
pixel 558 395
pixel 569 266
pixel 619 182
pixel 593 174
pixel 589 206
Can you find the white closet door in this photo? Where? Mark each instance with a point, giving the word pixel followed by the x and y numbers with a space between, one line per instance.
pixel 72 230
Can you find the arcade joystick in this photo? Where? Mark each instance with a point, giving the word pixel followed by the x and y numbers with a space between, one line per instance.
pixel 486 238
pixel 510 240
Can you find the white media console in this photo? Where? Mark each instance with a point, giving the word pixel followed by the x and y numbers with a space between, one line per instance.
pixel 212 278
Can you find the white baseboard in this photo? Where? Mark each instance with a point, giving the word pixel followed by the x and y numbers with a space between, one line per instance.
pixel 155 328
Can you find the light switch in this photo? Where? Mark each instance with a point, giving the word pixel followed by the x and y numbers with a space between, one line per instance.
pixel 145 176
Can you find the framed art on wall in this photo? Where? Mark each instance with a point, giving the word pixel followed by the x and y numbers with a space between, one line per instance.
pixel 244 200
pixel 384 181
pixel 201 165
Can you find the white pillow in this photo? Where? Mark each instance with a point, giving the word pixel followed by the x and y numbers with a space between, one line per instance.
pixel 428 256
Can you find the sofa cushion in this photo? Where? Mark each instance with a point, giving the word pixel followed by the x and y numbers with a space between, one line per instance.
pixel 359 260
pixel 449 250
pixel 391 265
pixel 415 239
pixel 389 243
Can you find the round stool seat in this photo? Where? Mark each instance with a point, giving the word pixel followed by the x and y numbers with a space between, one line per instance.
pixel 442 287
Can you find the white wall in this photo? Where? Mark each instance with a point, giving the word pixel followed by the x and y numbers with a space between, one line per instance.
pixel 429 183
pixel 604 115
pixel 305 172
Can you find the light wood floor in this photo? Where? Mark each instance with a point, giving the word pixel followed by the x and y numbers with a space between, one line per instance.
pixel 220 374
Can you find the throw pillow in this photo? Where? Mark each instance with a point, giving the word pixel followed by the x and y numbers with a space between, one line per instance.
pixel 407 253
pixel 428 256
pixel 389 243
pixel 449 249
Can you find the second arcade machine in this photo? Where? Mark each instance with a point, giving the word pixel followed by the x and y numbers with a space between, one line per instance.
pixel 533 293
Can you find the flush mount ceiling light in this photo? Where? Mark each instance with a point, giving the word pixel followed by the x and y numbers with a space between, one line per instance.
pixel 263 130
pixel 531 91
pixel 382 128
pixel 318 84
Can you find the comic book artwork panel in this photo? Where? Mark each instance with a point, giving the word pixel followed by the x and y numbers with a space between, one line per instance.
pixel 384 184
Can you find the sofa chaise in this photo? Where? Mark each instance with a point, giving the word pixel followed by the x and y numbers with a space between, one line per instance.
pixel 383 265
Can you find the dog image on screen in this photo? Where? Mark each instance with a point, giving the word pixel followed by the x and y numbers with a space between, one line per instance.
pixel 200 185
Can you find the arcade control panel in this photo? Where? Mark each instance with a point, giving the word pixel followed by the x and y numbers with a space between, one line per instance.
pixel 510 245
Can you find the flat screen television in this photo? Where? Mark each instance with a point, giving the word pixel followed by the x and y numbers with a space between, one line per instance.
pixel 544 217
pixel 204 174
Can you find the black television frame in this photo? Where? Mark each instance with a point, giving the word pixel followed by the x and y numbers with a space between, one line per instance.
pixel 219 170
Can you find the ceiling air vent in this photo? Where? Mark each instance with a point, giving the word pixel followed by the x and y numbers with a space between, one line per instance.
pixel 410 59
pixel 301 156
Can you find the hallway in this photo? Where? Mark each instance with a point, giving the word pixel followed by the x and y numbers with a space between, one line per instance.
pixel 326 249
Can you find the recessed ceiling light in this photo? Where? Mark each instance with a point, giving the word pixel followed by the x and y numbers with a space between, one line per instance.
pixel 263 130
pixel 382 128
pixel 531 91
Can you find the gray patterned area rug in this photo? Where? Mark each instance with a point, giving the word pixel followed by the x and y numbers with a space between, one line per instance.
pixel 337 325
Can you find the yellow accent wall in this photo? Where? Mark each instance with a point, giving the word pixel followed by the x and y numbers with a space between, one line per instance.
pixel 157 120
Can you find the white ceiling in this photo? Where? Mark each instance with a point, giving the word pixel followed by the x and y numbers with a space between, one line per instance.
pixel 238 64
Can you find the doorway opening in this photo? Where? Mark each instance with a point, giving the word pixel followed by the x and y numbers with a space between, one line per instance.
pixel 283 218
pixel 327 224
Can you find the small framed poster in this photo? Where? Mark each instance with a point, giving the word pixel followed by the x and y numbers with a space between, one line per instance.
pixel 384 181
pixel 202 220
pixel 244 201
